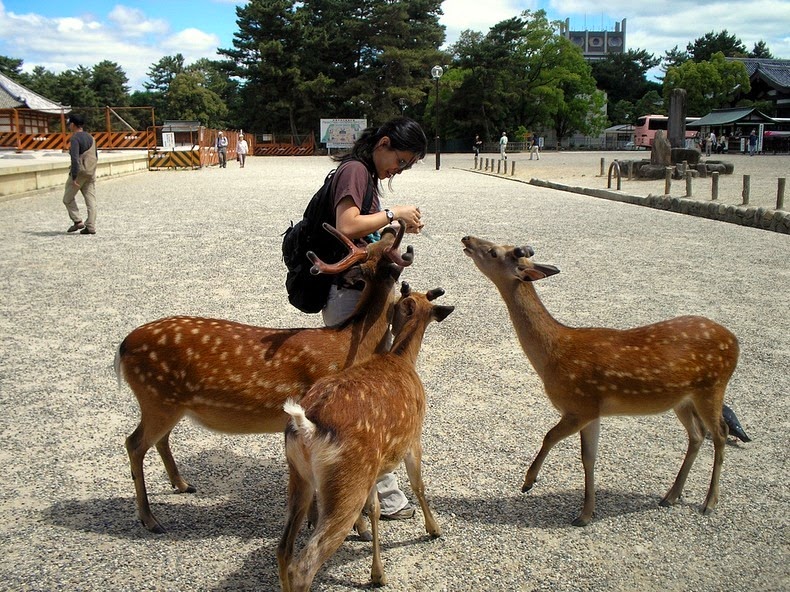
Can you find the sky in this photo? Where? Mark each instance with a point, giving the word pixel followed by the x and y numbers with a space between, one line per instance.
pixel 61 35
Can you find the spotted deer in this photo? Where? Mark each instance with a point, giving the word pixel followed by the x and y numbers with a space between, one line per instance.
pixel 235 378
pixel 349 429
pixel 683 364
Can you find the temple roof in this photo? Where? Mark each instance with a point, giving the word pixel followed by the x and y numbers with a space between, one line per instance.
pixel 14 96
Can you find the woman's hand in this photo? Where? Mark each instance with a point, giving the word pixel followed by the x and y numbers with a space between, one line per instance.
pixel 411 216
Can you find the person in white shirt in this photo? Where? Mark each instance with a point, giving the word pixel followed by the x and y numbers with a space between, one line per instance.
pixel 503 146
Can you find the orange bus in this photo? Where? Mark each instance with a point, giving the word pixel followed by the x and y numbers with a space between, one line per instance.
pixel 647 125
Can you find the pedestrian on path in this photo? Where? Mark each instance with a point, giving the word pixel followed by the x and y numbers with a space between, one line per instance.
pixel 222 149
pixel 82 176
pixel 241 150
pixel 503 146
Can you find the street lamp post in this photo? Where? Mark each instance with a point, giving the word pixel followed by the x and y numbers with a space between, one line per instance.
pixel 402 103
pixel 436 73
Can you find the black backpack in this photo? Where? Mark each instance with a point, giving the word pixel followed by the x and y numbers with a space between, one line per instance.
pixel 306 291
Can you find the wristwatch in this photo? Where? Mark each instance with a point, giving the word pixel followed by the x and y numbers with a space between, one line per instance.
pixel 390 216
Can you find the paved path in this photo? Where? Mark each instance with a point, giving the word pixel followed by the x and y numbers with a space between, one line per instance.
pixel 207 243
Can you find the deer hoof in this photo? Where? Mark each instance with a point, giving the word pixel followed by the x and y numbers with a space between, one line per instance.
pixel 581 521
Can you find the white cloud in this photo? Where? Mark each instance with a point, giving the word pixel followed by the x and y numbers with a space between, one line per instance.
pixel 192 41
pixel 131 22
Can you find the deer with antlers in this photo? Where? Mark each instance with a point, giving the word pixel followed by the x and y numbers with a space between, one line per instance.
pixel 683 364
pixel 349 429
pixel 235 378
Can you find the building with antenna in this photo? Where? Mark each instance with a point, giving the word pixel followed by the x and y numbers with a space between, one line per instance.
pixel 596 45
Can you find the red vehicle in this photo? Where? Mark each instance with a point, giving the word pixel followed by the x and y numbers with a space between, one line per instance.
pixel 647 126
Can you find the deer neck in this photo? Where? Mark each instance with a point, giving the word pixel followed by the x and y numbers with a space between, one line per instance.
pixel 408 341
pixel 536 329
pixel 370 322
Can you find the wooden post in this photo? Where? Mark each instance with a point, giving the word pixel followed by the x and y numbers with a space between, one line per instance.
pixel 603 166
pixel 688 183
pixel 512 168
pixel 486 164
pixel 667 180
pixel 714 186
pixel 746 188
pixel 475 161
pixel 780 194
pixel 498 166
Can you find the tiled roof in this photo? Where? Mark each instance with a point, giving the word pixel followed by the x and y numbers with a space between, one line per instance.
pixel 774 72
pixel 728 116
pixel 13 95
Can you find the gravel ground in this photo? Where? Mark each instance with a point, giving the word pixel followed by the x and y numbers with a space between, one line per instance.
pixel 207 243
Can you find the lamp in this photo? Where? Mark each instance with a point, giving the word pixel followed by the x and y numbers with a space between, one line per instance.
pixel 436 74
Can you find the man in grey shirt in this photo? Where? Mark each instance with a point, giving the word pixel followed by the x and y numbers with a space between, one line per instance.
pixel 82 176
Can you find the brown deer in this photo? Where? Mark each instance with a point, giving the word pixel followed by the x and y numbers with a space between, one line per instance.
pixel 683 364
pixel 235 378
pixel 349 429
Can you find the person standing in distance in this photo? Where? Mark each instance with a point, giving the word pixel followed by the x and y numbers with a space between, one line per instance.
pixel 378 154
pixel 222 149
pixel 503 146
pixel 82 176
pixel 242 148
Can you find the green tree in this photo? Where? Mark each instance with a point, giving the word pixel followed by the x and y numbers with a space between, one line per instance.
pixel 761 51
pixel 299 61
pixel 703 48
pixel 43 82
pixel 161 74
pixel 519 74
pixel 674 58
pixel 188 98
pixel 109 84
pixel 709 84
pixel 623 76
pixel 11 67
pixel 652 103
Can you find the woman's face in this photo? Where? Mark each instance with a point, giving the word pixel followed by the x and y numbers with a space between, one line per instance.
pixel 389 161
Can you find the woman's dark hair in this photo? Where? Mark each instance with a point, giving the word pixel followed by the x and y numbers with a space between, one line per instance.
pixel 405 134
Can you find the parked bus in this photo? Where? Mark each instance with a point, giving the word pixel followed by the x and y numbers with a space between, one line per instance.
pixel 647 125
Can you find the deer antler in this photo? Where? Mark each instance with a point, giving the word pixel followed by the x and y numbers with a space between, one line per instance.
pixel 355 255
pixel 434 294
pixel 393 253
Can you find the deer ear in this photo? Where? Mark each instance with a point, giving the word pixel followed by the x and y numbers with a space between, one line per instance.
pixel 442 312
pixel 537 272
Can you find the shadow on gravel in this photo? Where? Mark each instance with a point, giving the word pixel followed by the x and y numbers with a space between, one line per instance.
pixel 543 510
pixel 48 233
pixel 236 496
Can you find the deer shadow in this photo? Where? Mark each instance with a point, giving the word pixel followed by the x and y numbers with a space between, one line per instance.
pixel 250 502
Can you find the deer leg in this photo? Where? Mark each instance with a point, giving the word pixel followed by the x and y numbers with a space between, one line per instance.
pixel 377 576
pixel 137 445
pixel 567 425
pixel 413 462
pixel 178 483
pixel 690 420
pixel 300 499
pixel 589 437
pixel 330 532
pixel 711 417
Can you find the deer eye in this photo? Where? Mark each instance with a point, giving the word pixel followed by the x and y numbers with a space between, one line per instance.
pixel 492 252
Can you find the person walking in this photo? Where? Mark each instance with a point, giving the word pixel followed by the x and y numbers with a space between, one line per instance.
pixel 753 143
pixel 710 146
pixel 241 150
pixel 222 149
pixel 82 176
pixel 503 146
pixel 477 146
pixel 378 154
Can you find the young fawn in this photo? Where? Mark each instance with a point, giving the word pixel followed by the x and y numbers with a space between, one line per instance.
pixel 349 429
pixel 683 364
pixel 235 378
